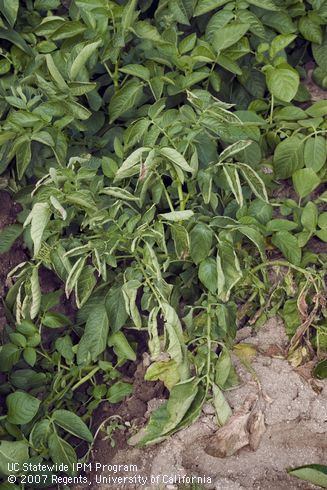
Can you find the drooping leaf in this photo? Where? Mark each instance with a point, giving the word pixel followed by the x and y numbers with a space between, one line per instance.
pixel 8 236
pixel 121 346
pixel 288 245
pixel 201 238
pixel 94 339
pixel 38 218
pixel 165 419
pixel 72 423
pixel 208 274
pixel 62 452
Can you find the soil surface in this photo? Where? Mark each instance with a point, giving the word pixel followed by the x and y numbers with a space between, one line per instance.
pixel 292 412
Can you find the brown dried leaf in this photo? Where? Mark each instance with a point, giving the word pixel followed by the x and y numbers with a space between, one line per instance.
pixel 245 427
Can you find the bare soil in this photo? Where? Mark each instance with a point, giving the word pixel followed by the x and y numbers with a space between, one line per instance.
pixel 294 409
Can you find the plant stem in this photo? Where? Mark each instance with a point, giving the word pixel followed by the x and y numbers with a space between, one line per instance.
pixel 85 378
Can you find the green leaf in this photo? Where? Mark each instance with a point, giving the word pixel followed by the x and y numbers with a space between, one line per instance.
pixel 85 284
pixel 16 39
pixel 223 410
pixel 124 99
pixel 12 452
pixel 279 43
pixel 305 181
pixel 175 216
pixel 130 289
pixel 9 356
pixel 311 31
pixel 61 452
pixel 208 274
pixel 228 270
pixel 72 423
pixel 175 157
pixel 200 242
pixel 82 58
pixel 121 346
pixel 181 240
pixel 233 149
pixel 128 14
pixel 254 181
pixel 23 157
pixel 40 433
pixel 164 371
pixel 317 109
pixel 320 371
pixel 264 4
pixel 22 407
pixel 94 339
pixel 39 218
pixel 282 82
pixel 55 73
pixel 8 236
pixel 74 274
pixel 322 221
pixel 119 193
pixel 313 473
pixel 204 6
pixel 315 153
pixel 136 71
pixel 288 245
pixel 176 348
pixel 116 311
pixel 288 157
pixel 9 10
pixel 18 339
pixel 309 217
pixel 166 418
pixel 229 35
pixel 132 164
pixel 224 370
pixel 29 355
pixel 229 65
pixel 53 319
pixel 145 30
pixel 280 225
pixel 36 293
pixel 64 346
pixel 119 391
pixel 27 379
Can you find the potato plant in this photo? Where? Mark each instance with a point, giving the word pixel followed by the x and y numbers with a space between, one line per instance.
pixel 146 143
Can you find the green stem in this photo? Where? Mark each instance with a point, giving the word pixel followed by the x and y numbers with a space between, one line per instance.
pixel 208 381
pixel 180 195
pixel 170 204
pixel 271 110
pixel 86 378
